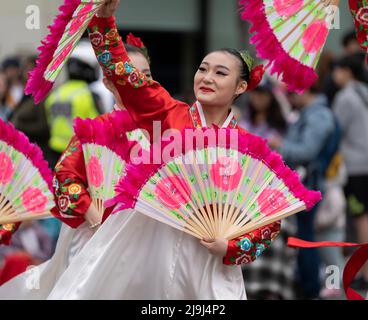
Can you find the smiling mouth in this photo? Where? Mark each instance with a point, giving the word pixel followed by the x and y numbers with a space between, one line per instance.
pixel 206 89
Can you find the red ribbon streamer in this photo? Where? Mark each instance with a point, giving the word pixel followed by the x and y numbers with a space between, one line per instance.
pixel 354 264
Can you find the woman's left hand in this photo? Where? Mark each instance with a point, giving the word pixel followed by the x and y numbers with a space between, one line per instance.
pixel 217 247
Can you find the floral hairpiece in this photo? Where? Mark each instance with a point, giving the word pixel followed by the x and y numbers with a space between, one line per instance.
pixel 255 72
pixel 138 43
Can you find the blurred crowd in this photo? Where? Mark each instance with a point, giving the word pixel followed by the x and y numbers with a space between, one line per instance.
pixel 322 134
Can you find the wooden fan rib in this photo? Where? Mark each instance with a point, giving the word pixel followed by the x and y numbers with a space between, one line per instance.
pixel 63 43
pixel 297 41
pixel 183 229
pixel 280 186
pixel 7 212
pixel 168 213
pixel 251 228
pixel 207 214
pixel 25 218
pixel 298 25
pixel 314 38
pixel 236 219
pixel 245 170
pixel 296 12
pixel 23 172
pixel 195 225
pixel 199 216
pixel 226 207
pixel 208 186
pixel 190 214
pixel 273 9
pixel 251 217
pixel 213 195
pixel 248 189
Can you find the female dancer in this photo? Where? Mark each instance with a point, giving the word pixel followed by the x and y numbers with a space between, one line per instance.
pixel 78 213
pixel 135 257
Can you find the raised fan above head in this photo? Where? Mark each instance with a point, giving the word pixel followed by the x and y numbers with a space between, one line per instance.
pixel 290 34
pixel 65 33
pixel 25 179
pixel 225 186
pixel 105 148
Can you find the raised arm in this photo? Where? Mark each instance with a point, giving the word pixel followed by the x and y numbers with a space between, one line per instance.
pixel 146 100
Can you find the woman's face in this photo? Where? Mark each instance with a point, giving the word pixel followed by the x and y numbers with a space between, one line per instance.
pixel 260 100
pixel 217 81
pixel 140 62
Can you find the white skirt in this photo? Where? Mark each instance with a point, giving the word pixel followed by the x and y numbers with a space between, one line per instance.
pixel 132 256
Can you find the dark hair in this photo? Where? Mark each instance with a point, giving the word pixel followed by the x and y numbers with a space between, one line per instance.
pixel 10 62
pixel 79 70
pixel 132 49
pixel 354 63
pixel 244 71
pixel 275 118
pixel 348 38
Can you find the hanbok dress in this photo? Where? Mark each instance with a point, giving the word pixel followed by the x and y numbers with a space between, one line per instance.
pixel 132 256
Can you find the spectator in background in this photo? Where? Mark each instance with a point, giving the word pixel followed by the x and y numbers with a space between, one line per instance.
pixel 351 109
pixel 263 116
pixel 71 100
pixel 31 120
pixel 11 68
pixel 302 149
pixel 4 109
pixel 272 276
pixel 28 117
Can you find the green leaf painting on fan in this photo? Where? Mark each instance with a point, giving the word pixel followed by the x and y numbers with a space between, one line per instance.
pixel 25 179
pixel 291 35
pixel 65 33
pixel 246 188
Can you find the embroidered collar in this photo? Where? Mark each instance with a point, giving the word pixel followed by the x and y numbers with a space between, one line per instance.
pixel 199 120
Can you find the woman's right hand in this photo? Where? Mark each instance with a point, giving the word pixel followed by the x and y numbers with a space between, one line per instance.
pixel 92 216
pixel 108 8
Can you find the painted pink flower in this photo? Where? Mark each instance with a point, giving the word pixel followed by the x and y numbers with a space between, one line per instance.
pixel 80 18
pixel 315 36
pixel 34 200
pixel 6 168
pixel 287 8
pixel 362 16
pixel 272 201
pixel 61 57
pixel 171 196
pixel 226 173
pixel 95 172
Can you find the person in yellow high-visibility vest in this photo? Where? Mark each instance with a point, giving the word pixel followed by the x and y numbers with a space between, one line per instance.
pixel 71 100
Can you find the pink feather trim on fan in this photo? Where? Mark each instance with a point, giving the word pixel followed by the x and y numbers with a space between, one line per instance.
pixel 109 131
pixel 297 76
pixel 20 142
pixel 37 85
pixel 257 147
